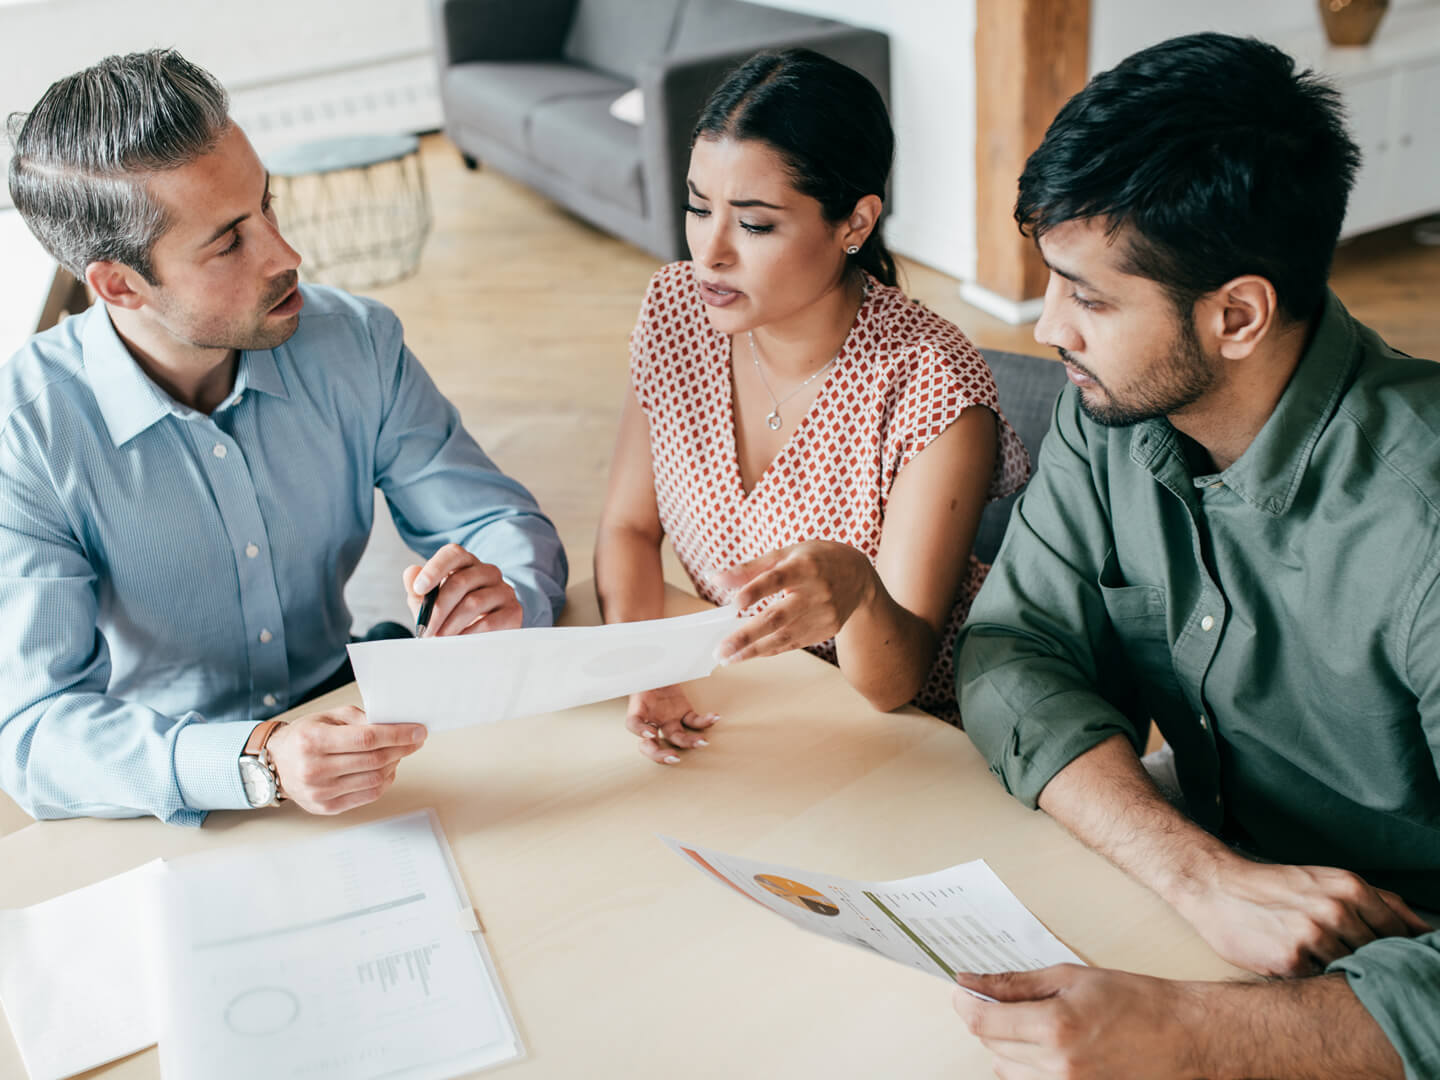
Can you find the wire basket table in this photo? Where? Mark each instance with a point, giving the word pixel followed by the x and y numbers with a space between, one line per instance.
pixel 356 208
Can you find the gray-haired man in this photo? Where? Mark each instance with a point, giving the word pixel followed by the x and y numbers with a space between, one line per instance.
pixel 190 469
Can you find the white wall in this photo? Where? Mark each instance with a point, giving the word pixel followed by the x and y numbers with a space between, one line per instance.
pixel 241 43
pixel 245 45
pixel 932 106
pixel 1121 27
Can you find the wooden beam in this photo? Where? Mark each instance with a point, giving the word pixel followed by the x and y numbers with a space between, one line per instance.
pixel 1031 56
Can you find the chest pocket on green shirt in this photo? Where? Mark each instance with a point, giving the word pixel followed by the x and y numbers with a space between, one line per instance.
pixel 1142 671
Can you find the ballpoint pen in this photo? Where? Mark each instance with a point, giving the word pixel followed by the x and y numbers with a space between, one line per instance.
pixel 422 621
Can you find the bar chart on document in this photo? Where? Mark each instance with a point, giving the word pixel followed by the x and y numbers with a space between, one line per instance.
pixel 400 972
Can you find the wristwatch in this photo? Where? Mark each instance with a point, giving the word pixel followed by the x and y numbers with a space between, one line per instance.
pixel 257 771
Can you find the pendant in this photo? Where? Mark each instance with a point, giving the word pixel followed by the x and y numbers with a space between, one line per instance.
pixel 774 421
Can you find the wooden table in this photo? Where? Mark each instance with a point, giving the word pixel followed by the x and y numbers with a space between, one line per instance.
pixel 621 960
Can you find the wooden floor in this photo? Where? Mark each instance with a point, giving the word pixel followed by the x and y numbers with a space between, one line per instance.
pixel 520 312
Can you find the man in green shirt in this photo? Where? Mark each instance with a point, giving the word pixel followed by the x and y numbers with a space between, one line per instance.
pixel 1234 529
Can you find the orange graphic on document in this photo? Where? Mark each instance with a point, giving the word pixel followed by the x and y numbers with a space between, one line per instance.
pixel 800 895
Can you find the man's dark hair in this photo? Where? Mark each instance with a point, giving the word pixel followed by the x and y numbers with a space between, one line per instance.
pixel 829 124
pixel 1217 155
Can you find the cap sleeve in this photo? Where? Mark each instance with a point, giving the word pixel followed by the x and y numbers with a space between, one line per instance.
pixel 942 382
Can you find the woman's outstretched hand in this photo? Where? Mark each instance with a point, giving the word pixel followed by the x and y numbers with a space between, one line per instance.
pixel 818 585
pixel 667 724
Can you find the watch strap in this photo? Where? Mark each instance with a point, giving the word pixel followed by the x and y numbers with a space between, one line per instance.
pixel 259 737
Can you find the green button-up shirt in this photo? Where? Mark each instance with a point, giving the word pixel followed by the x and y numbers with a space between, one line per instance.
pixel 1279 620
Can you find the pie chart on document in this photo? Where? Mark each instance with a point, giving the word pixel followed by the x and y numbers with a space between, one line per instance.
pixel 802 896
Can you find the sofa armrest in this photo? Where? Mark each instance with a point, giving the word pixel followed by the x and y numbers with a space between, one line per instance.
pixel 468 30
pixel 676 88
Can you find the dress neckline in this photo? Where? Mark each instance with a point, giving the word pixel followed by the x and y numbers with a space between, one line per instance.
pixel 725 347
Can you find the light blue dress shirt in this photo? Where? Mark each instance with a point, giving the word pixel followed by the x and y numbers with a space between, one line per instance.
pixel 170 579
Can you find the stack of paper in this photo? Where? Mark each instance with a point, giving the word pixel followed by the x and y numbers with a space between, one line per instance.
pixel 353 955
pixel 75 975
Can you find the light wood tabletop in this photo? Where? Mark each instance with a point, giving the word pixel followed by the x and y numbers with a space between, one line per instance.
pixel 618 958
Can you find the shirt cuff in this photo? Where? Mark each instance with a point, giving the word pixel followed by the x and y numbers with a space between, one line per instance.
pixel 1398 982
pixel 207 764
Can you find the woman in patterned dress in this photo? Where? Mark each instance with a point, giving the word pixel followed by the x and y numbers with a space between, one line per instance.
pixel 801 430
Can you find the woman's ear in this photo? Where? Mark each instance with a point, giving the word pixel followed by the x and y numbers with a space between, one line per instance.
pixel 861 222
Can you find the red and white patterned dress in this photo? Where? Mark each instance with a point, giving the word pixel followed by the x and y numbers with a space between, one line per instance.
pixel 902 377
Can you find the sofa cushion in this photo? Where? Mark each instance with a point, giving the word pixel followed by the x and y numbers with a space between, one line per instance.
pixel 578 138
pixel 705 25
pixel 619 36
pixel 498 97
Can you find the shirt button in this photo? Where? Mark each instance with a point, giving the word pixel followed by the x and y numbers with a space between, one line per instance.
pixel 1207 623
pixel 1204 722
pixel 1218 800
pixel 251 551
pixel 219 450
pixel 265 637
pixel 269 699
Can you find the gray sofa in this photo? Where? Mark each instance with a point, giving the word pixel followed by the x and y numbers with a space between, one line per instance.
pixel 526 87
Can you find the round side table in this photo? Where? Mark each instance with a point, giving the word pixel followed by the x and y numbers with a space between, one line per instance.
pixel 356 208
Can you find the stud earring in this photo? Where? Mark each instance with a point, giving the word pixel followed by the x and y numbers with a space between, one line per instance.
pixel 853 249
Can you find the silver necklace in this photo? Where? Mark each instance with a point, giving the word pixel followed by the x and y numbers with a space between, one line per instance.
pixel 773 420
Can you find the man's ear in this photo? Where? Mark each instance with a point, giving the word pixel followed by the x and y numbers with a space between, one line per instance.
pixel 117 284
pixel 1239 315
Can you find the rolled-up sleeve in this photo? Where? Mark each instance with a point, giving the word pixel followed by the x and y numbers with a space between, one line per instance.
pixel 1398 982
pixel 1026 671
pixel 66 748
pixel 1398 979
pixel 443 489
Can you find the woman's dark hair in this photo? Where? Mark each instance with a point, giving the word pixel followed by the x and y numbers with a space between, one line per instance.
pixel 828 123
pixel 1220 158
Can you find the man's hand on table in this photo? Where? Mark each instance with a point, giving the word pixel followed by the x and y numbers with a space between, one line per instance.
pixel 333 761
pixel 1274 919
pixel 473 595
pixel 1076 1022
pixel 1071 1022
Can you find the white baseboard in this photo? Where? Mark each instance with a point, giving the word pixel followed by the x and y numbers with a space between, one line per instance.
pixel 1013 312
pixel 398 95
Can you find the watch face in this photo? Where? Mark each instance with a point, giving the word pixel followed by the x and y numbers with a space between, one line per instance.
pixel 258 781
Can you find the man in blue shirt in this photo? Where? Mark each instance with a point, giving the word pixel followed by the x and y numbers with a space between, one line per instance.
pixel 189 472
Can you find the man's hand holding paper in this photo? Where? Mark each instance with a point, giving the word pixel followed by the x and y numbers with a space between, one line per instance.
pixel 330 762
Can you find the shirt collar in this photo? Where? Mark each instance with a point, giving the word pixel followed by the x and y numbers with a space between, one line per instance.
pixel 131 403
pixel 258 371
pixel 128 400
pixel 1268 474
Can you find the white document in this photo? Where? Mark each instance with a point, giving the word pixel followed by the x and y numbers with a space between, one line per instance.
pixel 960 919
pixel 351 956
pixel 75 977
pixel 453 682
